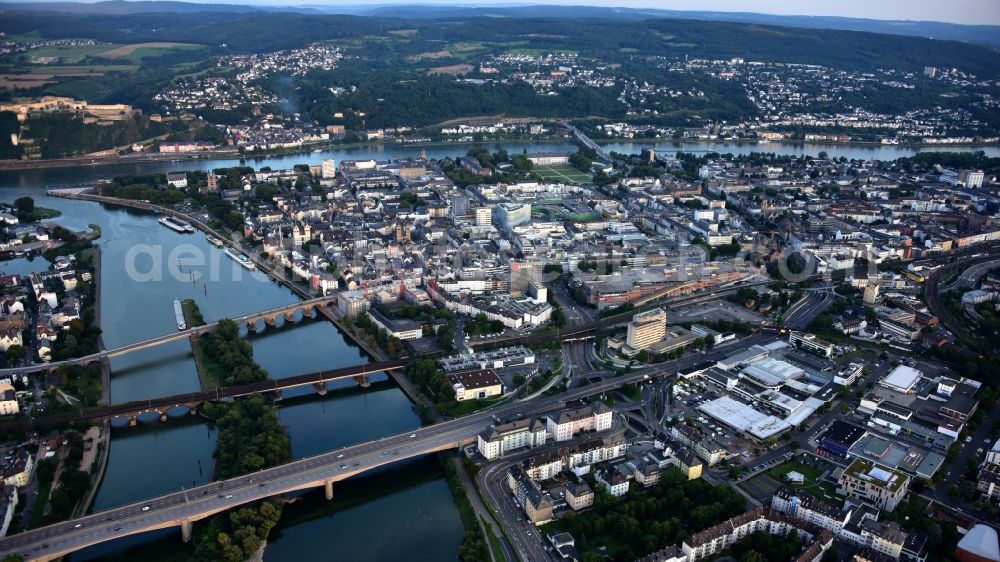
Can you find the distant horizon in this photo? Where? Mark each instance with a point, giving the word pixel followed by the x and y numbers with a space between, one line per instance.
pixel 962 12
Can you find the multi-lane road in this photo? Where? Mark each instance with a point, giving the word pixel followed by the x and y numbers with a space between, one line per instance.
pixel 185 506
pixel 801 313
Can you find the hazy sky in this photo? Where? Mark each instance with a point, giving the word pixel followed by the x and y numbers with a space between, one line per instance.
pixel 956 11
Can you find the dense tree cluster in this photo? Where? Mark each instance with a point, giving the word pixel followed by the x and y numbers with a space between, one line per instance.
pixel 72 485
pixel 251 436
pixel 761 547
pixel 388 100
pixel 9 126
pixel 431 380
pixel 925 161
pixel 480 325
pixel 230 357
pixel 146 187
pixel 82 338
pixel 473 548
pixel 644 521
pixel 65 134
pixel 378 337
pixel 446 335
pixel 71 244
pixel 237 535
pixel 81 382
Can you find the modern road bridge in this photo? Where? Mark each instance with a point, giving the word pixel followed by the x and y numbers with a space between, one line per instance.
pixel 586 141
pixel 183 508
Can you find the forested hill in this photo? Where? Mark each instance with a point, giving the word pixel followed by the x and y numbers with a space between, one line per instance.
pixel 605 38
pixel 982 34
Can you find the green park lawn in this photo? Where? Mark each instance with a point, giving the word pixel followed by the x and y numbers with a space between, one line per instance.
pixel 566 174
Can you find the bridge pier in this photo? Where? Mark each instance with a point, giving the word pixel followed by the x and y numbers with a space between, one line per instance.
pixel 362 380
pixel 163 417
pixel 328 489
pixel 290 317
pixel 271 321
pixel 320 388
pixel 133 421
pixel 186 530
pixel 252 327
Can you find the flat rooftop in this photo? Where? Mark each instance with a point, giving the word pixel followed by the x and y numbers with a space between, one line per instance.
pixel 902 378
pixel 743 418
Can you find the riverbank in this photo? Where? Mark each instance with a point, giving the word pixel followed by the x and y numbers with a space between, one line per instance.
pixel 91 161
pixel 794 142
pixel 374 353
pixel 686 144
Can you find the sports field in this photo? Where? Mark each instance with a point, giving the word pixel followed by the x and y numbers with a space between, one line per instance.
pixel 566 174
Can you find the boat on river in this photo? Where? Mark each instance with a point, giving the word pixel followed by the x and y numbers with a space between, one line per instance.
pixel 179 315
pixel 240 258
pixel 178 225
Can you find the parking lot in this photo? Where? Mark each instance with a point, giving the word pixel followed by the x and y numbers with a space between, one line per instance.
pixel 686 402
pixel 713 311
pixel 772 474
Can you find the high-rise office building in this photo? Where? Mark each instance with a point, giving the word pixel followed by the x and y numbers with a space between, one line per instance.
pixel 646 328
pixel 329 168
pixel 460 205
pixel 522 274
pixel 484 216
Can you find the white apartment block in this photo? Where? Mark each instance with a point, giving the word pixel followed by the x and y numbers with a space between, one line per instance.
pixel 563 425
pixel 498 440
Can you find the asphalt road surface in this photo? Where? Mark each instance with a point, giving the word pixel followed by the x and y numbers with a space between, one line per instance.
pixel 202 501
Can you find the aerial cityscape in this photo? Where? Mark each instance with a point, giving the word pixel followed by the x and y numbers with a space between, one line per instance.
pixel 499 283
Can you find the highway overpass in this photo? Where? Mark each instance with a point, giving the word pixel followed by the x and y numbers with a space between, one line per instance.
pixel 183 508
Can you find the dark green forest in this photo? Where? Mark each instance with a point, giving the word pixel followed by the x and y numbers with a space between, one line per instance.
pixel 390 86
pixel 605 38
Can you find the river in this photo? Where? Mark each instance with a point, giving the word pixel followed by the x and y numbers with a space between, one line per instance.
pixel 54 177
pixel 412 504
pixel 403 512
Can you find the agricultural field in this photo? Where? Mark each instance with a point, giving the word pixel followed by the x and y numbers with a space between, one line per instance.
pixel 566 174
pixel 142 50
pixel 454 70
pixel 533 52
pixel 61 60
pixel 25 81
pixel 87 71
pixel 465 51
pixel 68 54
